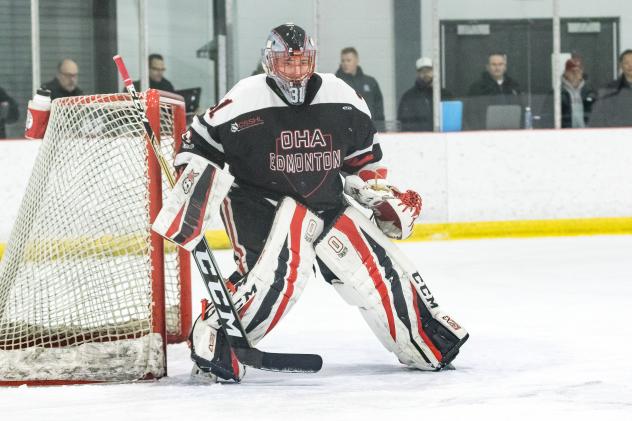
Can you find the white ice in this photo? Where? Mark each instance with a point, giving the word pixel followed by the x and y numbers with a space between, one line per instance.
pixel 550 324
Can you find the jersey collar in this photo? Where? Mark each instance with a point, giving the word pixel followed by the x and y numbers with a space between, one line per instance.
pixel 313 85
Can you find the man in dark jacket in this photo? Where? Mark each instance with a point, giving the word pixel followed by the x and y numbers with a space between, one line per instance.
pixel 65 83
pixel 8 111
pixel 416 106
pixel 493 88
pixel 156 75
pixel 614 107
pixel 364 84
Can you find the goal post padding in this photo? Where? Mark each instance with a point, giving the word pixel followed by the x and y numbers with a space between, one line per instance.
pixel 87 291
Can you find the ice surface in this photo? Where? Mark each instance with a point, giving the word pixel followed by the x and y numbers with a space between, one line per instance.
pixel 550 334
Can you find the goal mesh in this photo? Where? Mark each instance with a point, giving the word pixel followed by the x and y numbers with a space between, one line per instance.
pixel 82 290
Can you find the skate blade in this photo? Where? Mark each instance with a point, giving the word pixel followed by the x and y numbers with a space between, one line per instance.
pixel 202 377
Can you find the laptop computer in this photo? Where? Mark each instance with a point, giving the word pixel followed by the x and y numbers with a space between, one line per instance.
pixel 503 117
pixel 191 99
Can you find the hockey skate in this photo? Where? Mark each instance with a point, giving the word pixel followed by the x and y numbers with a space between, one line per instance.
pixel 211 354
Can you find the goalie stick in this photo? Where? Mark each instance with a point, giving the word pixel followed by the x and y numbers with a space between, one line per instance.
pixel 230 323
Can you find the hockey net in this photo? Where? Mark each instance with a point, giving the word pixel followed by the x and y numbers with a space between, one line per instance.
pixel 87 292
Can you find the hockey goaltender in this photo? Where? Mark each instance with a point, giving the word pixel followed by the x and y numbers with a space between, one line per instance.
pixel 294 141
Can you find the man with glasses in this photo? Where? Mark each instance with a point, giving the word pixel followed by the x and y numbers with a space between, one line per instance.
pixel 65 83
pixel 156 74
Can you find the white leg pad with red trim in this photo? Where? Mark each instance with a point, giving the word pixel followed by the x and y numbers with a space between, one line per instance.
pixel 375 276
pixel 192 202
pixel 278 278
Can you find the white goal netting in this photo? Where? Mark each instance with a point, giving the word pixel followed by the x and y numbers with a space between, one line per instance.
pixel 82 295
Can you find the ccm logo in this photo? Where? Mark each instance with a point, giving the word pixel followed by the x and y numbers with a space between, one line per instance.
pixel 451 322
pixel 221 300
pixel 337 246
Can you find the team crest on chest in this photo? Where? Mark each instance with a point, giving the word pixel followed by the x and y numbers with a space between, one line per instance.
pixel 301 153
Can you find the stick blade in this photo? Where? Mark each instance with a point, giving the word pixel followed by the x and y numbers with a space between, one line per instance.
pixel 271 361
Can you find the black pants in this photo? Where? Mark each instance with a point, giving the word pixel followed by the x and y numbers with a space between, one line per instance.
pixel 247 216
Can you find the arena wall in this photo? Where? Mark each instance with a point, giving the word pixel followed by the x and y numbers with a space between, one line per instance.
pixel 473 184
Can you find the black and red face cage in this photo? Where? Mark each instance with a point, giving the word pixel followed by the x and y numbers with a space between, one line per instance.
pixel 292 66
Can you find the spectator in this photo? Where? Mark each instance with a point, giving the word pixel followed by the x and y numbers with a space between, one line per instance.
pixel 364 84
pixel 493 88
pixel 416 106
pixel 65 83
pixel 8 111
pixel 614 107
pixel 579 58
pixel 156 75
pixel 577 98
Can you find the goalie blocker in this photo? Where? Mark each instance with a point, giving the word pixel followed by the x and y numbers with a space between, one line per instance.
pixel 190 205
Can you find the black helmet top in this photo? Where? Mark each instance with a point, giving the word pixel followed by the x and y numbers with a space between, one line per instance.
pixel 292 35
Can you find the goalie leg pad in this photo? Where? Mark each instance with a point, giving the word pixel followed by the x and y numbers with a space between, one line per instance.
pixel 278 278
pixel 393 298
pixel 192 202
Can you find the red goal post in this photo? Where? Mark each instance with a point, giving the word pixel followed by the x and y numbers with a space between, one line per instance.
pixel 88 293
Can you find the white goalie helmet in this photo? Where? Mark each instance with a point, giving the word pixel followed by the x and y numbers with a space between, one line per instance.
pixel 289 58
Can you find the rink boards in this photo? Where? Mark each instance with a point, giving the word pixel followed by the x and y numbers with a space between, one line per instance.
pixel 473 184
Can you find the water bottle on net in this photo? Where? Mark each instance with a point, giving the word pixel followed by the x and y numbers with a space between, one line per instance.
pixel 37 115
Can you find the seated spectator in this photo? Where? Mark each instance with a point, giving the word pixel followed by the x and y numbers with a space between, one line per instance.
pixel 614 107
pixel 493 88
pixel 364 84
pixel 577 98
pixel 416 106
pixel 156 75
pixel 65 83
pixel 8 111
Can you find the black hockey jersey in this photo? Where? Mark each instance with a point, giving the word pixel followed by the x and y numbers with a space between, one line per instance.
pixel 287 150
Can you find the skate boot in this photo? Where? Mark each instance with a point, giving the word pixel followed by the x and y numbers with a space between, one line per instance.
pixel 446 339
pixel 212 357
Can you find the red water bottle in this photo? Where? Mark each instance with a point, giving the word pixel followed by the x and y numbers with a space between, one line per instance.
pixel 37 115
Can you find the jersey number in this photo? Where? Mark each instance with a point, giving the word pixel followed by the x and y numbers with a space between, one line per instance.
pixel 294 94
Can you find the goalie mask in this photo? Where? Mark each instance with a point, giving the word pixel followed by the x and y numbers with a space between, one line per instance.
pixel 289 58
